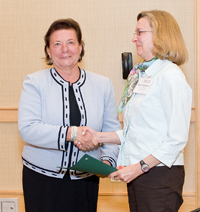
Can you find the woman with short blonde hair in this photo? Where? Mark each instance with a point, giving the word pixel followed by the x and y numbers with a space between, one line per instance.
pixel 156 106
pixel 167 38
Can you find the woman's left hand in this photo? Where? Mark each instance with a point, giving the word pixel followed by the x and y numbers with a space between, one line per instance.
pixel 128 173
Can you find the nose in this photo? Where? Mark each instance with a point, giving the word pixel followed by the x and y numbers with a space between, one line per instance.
pixel 134 39
pixel 64 47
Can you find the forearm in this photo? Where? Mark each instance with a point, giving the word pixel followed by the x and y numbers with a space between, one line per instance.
pixel 151 161
pixel 94 138
pixel 108 137
pixel 131 172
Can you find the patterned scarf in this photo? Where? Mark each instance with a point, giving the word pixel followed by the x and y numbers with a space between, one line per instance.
pixel 132 81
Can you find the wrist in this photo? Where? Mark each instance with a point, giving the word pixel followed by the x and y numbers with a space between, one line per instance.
pixel 98 136
pixel 73 133
pixel 144 166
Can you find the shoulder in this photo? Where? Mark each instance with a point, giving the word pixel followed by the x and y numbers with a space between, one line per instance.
pixel 98 80
pixel 95 76
pixel 167 70
pixel 39 74
pixel 38 79
pixel 171 68
pixel 171 75
pixel 97 83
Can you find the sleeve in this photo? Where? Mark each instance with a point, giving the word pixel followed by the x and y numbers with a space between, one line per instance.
pixel 32 129
pixel 176 99
pixel 110 124
pixel 121 137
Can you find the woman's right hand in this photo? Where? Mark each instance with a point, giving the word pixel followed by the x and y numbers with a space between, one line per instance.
pixel 86 139
pixel 92 138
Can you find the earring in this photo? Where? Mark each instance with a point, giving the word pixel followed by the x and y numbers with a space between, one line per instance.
pixel 50 61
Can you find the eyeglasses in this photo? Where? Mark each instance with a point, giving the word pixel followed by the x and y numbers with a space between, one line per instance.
pixel 140 32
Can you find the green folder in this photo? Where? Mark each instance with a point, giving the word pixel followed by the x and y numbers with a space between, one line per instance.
pixel 92 165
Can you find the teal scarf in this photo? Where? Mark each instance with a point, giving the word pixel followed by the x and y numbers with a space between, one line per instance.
pixel 132 81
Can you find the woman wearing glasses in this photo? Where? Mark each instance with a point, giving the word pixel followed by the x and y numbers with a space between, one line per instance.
pixel 156 107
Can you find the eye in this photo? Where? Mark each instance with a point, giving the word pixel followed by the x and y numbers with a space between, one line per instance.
pixel 57 44
pixel 140 32
pixel 71 42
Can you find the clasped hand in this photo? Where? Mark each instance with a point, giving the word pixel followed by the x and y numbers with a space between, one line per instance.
pixel 85 139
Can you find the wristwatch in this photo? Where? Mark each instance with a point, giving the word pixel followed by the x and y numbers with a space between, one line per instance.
pixel 144 166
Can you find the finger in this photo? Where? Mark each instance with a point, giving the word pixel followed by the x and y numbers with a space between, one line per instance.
pixel 113 174
pixel 95 142
pixel 116 177
pixel 77 144
pixel 91 145
pixel 109 176
pixel 84 130
pixel 80 147
pixel 83 149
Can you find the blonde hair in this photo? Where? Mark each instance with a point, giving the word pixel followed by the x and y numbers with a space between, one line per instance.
pixel 167 38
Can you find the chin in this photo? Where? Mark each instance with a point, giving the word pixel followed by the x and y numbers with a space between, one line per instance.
pixel 139 51
pixel 139 54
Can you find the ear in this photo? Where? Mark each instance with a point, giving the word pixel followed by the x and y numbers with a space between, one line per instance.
pixel 80 48
pixel 48 51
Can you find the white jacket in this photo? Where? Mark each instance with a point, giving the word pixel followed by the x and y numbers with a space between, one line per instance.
pixel 43 120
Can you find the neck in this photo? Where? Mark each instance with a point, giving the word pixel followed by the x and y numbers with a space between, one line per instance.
pixel 70 75
pixel 153 58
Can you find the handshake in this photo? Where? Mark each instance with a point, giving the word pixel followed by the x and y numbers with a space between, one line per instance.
pixel 87 139
pixel 84 138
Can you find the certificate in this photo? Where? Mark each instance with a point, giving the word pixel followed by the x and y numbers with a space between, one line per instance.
pixel 92 165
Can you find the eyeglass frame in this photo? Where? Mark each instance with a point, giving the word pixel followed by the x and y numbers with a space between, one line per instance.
pixel 139 32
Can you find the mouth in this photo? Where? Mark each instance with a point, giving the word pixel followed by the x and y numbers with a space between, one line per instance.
pixel 65 57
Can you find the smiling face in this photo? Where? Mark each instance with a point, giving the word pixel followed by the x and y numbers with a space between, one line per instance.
pixel 64 49
pixel 143 38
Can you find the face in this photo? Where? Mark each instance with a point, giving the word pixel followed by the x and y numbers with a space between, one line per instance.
pixel 64 49
pixel 144 40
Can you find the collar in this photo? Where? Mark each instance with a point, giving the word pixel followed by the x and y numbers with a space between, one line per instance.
pixel 61 81
pixel 156 67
